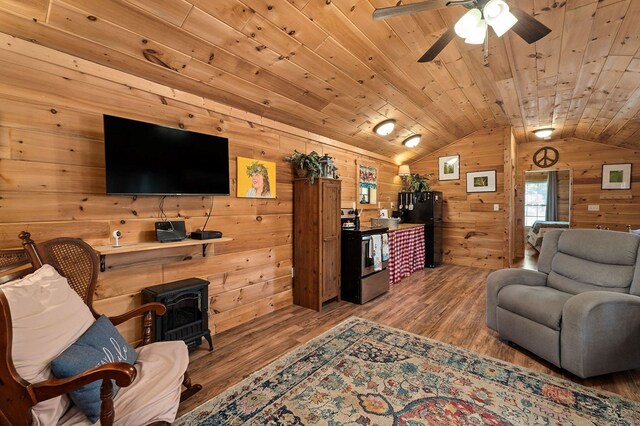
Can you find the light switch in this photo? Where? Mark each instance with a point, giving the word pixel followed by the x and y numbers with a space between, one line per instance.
pixel 594 207
pixel 496 207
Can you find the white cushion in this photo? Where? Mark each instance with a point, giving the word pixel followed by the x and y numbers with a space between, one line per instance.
pixel 47 317
pixel 155 393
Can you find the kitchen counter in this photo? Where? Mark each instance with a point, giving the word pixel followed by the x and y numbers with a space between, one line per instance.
pixel 406 251
pixel 406 226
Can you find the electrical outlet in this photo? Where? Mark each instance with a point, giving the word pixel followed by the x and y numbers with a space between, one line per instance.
pixel 593 207
pixel 496 207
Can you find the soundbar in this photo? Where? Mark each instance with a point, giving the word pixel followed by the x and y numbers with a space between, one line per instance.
pixel 205 235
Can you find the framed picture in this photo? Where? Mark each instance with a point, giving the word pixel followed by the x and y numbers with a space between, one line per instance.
pixel 367 185
pixel 256 178
pixel 449 167
pixel 481 181
pixel 616 176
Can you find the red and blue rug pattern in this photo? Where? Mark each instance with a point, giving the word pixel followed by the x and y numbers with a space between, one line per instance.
pixel 364 373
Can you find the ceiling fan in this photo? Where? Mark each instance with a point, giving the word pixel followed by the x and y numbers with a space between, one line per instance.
pixel 473 25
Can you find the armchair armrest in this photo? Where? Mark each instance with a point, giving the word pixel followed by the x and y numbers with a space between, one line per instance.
pixel 155 307
pixel 147 323
pixel 121 372
pixel 600 333
pixel 504 277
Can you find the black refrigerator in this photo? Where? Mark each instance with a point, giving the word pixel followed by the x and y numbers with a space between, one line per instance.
pixel 426 208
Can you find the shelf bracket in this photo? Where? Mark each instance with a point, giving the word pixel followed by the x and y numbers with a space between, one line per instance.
pixel 204 249
pixel 102 263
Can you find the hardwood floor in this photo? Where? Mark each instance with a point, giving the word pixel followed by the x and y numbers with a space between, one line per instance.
pixel 446 304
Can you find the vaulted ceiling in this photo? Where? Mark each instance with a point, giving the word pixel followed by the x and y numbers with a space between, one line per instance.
pixel 327 67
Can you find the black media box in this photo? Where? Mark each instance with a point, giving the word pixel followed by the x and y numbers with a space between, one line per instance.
pixel 170 231
pixel 205 235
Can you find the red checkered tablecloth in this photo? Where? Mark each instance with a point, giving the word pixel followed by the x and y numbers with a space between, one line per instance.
pixel 406 252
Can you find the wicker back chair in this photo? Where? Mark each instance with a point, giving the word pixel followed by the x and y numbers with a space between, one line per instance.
pixel 72 258
pixel 78 263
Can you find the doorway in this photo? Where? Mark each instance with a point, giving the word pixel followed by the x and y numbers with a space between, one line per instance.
pixel 547 205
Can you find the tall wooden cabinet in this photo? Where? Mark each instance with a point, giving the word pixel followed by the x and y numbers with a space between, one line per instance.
pixel 316 245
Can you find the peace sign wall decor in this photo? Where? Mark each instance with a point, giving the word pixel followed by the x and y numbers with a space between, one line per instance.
pixel 546 156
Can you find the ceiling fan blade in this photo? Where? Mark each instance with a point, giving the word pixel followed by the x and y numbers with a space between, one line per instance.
pixel 437 47
pixel 388 12
pixel 528 27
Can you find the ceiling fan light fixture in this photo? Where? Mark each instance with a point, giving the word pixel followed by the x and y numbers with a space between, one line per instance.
pixel 543 133
pixel 477 34
pixel 496 13
pixel 468 23
pixel 385 127
pixel 412 141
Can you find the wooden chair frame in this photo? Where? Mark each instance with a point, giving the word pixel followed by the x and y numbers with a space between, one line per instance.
pixel 78 262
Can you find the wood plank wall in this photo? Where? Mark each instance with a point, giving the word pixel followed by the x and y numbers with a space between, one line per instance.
pixel 475 234
pixel 52 182
pixel 584 160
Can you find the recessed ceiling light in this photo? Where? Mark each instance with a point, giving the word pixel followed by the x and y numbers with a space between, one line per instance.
pixel 412 141
pixel 543 133
pixel 385 128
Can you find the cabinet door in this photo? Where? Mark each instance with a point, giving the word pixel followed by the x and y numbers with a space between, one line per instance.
pixel 330 217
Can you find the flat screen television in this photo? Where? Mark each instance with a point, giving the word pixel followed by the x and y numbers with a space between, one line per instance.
pixel 148 159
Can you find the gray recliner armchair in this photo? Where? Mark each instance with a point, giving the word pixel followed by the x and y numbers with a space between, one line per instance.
pixel 581 309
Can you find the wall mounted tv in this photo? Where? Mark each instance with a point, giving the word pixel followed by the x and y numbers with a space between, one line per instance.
pixel 148 159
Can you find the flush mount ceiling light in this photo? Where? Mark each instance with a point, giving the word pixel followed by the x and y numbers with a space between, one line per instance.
pixel 543 133
pixel 385 127
pixel 412 141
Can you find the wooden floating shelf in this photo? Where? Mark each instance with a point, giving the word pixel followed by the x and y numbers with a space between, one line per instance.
pixel 103 251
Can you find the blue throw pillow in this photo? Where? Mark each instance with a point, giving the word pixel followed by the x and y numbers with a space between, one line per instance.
pixel 100 344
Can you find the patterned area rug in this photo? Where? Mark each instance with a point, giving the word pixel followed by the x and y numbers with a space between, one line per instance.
pixel 363 373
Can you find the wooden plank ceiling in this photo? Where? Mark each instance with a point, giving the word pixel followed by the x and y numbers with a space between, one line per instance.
pixel 327 67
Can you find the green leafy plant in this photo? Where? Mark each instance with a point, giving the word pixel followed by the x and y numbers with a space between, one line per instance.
pixel 419 183
pixel 306 165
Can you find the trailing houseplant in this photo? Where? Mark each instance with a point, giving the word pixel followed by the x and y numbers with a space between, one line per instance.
pixel 306 165
pixel 419 183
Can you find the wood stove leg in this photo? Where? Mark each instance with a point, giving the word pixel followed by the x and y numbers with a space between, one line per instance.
pixel 190 389
pixel 208 337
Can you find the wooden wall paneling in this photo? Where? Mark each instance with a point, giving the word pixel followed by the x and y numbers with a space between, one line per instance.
pixel 48 147
pixel 511 190
pixel 5 143
pixel 225 301
pixel 473 233
pixel 51 152
pixel 584 161
pixel 236 316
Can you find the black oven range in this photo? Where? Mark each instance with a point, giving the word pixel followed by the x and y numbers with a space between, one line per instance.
pixel 362 278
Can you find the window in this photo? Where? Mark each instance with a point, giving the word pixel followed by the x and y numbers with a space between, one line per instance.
pixel 535 201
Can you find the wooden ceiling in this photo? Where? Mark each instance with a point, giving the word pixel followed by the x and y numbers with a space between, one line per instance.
pixel 327 67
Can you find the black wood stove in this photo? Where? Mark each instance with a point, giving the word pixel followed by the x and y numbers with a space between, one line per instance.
pixel 187 305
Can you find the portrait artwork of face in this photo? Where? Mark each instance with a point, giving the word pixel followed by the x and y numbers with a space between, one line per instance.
pixel 256 178
pixel 259 176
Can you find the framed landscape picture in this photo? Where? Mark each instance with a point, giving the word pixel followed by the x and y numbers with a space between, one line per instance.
pixel 616 176
pixel 481 181
pixel 449 167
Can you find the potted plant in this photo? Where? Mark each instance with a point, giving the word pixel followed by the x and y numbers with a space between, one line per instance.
pixel 419 183
pixel 306 165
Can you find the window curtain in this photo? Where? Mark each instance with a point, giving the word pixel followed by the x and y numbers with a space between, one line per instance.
pixel 552 196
